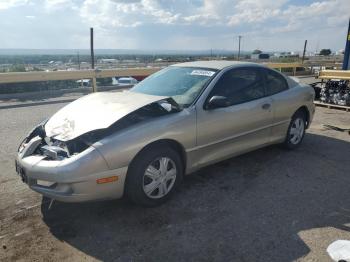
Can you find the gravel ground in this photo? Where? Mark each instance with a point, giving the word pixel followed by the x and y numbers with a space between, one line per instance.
pixel 267 205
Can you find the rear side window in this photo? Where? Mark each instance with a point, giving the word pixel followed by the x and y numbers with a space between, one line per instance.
pixel 275 83
pixel 240 85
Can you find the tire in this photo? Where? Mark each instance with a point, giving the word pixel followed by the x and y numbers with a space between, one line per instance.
pixel 153 176
pixel 296 131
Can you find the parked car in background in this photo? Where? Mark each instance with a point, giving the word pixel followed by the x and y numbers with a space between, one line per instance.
pixel 83 82
pixel 126 81
pixel 140 143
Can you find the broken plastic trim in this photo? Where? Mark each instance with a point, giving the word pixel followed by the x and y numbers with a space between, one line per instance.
pixel 55 149
pixel 54 152
pixel 39 130
pixel 156 109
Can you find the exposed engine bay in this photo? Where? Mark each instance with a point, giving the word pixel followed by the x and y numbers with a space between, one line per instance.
pixel 38 143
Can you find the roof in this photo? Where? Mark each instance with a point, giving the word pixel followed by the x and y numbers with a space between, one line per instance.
pixel 216 64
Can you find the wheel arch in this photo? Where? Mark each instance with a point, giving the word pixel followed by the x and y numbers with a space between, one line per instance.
pixel 305 111
pixel 175 145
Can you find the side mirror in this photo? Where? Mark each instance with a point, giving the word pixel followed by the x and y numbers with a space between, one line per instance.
pixel 217 102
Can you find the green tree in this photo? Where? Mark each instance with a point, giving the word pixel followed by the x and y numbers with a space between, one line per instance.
pixel 17 68
pixel 37 69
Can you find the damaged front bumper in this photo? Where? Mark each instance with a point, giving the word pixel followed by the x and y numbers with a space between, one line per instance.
pixel 81 177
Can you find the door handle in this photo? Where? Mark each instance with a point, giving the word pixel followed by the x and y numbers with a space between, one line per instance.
pixel 266 106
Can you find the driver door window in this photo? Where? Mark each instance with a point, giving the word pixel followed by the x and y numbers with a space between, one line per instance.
pixel 240 86
pixel 246 124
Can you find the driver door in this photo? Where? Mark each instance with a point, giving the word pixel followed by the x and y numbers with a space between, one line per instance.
pixel 242 125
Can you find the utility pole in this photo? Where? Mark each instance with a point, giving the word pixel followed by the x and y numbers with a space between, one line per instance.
pixel 302 61
pixel 233 47
pixel 346 60
pixel 92 48
pixel 78 56
pixel 94 87
pixel 239 46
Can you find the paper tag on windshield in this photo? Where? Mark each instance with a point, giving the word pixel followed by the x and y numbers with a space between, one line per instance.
pixel 202 73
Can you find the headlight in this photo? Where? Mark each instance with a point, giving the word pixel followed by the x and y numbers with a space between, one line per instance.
pixel 39 130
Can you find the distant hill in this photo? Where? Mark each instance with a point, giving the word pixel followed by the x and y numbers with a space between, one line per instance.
pixel 115 52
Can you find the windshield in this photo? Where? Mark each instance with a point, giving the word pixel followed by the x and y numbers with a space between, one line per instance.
pixel 183 84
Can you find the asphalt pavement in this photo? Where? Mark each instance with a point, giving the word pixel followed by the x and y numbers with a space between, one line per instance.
pixel 268 205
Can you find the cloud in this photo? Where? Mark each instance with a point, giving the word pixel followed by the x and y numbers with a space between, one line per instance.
pixel 122 13
pixel 316 16
pixel 177 24
pixel 249 14
pixel 55 5
pixel 6 4
pixel 181 24
pixel 126 1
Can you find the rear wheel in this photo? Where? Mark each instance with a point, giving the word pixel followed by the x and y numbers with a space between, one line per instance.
pixel 296 130
pixel 153 176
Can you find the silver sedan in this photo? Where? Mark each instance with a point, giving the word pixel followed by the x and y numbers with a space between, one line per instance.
pixel 140 143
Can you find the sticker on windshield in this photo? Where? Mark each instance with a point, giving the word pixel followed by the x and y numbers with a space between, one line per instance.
pixel 202 73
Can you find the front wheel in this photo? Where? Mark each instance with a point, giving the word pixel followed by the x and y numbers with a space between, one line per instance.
pixel 153 176
pixel 296 131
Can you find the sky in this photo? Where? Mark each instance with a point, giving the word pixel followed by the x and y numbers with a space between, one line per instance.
pixel 268 25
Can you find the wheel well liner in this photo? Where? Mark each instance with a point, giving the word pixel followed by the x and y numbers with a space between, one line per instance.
pixel 306 112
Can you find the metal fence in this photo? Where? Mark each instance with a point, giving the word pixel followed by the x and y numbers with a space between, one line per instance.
pixel 24 77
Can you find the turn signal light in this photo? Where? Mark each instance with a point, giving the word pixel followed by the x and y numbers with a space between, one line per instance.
pixel 107 180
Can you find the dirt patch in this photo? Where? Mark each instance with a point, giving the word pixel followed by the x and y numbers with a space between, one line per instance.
pixel 267 205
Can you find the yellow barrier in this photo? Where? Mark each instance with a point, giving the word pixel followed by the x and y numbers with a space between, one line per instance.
pixel 284 65
pixel 73 75
pixel 334 74
pixel 22 77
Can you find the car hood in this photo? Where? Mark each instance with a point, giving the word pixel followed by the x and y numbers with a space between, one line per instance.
pixel 95 111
